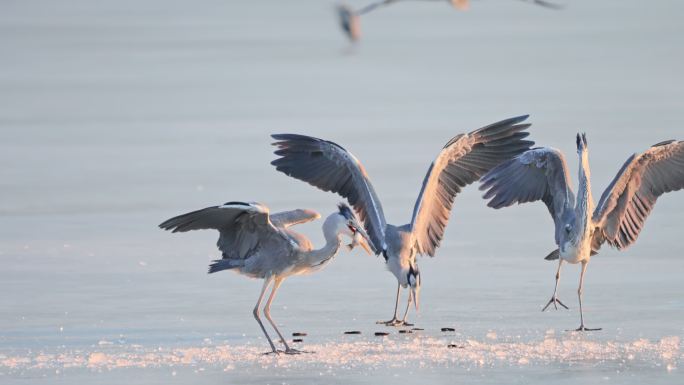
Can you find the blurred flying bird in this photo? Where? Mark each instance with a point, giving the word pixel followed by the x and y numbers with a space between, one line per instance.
pixel 350 19
pixel 462 161
pixel 581 228
pixel 259 245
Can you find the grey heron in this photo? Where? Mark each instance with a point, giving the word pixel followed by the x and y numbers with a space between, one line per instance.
pixel 350 19
pixel 581 228
pixel 258 244
pixel 462 161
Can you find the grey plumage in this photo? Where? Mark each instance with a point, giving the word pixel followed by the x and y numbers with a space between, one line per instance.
pixel 330 167
pixel 537 174
pixel 293 217
pixel 580 230
pixel 630 197
pixel 463 160
pixel 260 245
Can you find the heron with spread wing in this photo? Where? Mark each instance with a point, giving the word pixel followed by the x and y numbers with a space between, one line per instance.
pixel 581 228
pixel 462 161
pixel 258 244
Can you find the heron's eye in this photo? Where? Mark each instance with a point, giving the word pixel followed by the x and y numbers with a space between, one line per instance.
pixel 568 228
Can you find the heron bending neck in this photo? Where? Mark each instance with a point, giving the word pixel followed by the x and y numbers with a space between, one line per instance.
pixel 332 232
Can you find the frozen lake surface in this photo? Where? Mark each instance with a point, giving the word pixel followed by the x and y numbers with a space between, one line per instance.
pixel 116 115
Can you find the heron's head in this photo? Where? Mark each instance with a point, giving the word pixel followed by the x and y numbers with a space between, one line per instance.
pixel 413 278
pixel 353 229
pixel 350 22
pixel 581 142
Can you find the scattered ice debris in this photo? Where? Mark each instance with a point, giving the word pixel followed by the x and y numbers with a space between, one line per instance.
pixel 491 335
pixel 405 331
pixel 97 359
pixel 422 351
pixel 381 334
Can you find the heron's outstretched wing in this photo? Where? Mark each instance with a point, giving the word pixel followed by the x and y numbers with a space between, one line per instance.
pixel 293 217
pixel 545 4
pixel 537 174
pixel 330 167
pixel 242 226
pixel 462 161
pixel 624 206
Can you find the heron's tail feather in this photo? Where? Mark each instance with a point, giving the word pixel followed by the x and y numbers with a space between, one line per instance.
pixel 225 264
pixel 554 255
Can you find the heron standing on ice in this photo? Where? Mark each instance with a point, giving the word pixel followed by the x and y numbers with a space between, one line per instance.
pixel 462 161
pixel 259 245
pixel 581 229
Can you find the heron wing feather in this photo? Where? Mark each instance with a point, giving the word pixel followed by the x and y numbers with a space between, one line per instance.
pixel 293 217
pixel 329 167
pixel 537 174
pixel 243 227
pixel 627 202
pixel 462 161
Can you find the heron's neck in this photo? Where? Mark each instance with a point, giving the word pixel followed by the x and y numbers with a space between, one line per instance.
pixel 585 203
pixel 326 253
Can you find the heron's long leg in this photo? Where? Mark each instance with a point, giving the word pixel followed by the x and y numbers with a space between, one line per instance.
pixel 554 299
pixel 394 320
pixel 267 313
pixel 267 282
pixel 408 306
pixel 579 294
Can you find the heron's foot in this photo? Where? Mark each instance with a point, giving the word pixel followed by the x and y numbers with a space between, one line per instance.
pixel 582 328
pixel 295 351
pixel 276 352
pixel 394 322
pixel 555 301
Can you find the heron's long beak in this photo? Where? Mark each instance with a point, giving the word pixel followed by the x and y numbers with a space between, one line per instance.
pixel 361 238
